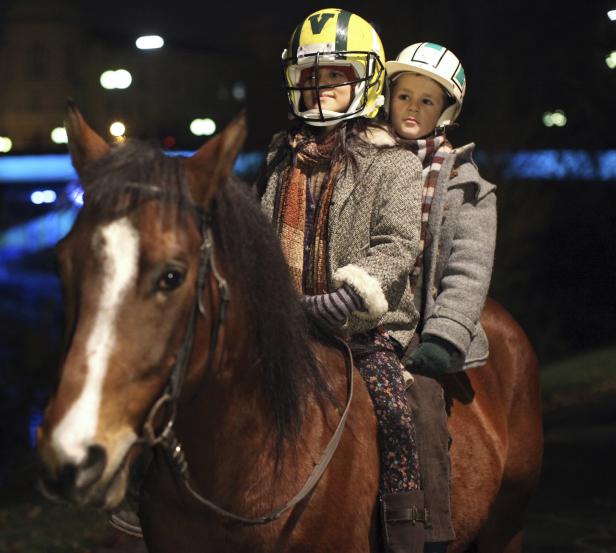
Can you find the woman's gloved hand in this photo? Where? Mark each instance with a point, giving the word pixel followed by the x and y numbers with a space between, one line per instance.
pixel 431 358
pixel 335 307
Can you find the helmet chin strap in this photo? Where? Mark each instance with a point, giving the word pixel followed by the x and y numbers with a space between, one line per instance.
pixel 333 117
pixel 443 128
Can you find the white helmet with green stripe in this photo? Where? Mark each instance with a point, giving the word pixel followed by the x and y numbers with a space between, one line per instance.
pixel 438 63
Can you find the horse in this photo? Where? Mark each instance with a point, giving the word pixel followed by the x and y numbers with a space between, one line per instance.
pixel 184 336
pixel 184 333
pixel 495 422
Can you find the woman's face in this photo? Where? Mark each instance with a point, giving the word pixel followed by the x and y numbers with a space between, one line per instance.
pixel 416 104
pixel 332 99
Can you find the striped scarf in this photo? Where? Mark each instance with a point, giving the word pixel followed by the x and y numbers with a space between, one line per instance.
pixel 431 152
pixel 302 209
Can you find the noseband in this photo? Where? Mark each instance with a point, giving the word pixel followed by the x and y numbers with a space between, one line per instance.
pixel 167 439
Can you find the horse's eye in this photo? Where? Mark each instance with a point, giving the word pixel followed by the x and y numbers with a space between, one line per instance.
pixel 170 280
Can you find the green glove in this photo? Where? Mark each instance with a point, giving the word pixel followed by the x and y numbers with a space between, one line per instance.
pixel 431 358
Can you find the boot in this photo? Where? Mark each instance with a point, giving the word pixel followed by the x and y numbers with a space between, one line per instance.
pixel 404 518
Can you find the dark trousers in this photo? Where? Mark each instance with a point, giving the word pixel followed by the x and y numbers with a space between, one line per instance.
pixel 427 402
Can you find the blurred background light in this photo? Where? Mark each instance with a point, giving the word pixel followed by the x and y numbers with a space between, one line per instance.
pixel 58 135
pixel 43 197
pixel 239 91
pixel 117 129
pixel 203 127
pixel 169 141
pixel 610 59
pixel 51 168
pixel 149 42
pixel 119 79
pixel 5 144
pixel 612 15
pixel 74 193
pixel 36 234
pixel 555 119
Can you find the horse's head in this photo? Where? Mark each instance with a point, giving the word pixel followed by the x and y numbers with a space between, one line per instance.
pixel 129 269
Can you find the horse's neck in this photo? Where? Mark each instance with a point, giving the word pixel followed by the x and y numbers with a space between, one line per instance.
pixel 223 422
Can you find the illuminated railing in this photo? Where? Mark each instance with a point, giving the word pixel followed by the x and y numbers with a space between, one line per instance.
pixel 45 231
pixel 58 167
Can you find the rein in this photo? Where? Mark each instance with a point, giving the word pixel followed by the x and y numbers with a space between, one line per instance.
pixel 167 438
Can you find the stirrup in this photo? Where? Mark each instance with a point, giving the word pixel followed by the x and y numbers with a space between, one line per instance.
pixel 120 521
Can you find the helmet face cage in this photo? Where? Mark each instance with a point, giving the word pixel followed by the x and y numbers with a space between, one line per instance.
pixel 363 63
pixel 334 37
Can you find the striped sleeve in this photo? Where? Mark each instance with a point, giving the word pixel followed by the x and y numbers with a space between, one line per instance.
pixel 335 307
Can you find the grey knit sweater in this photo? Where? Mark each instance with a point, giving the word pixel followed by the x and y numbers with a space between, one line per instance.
pixel 373 230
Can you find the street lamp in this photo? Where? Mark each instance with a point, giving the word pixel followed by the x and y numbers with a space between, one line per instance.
pixel 203 127
pixel 58 135
pixel 6 144
pixel 117 129
pixel 118 79
pixel 149 42
pixel 555 119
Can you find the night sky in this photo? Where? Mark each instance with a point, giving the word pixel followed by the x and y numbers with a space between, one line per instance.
pixel 521 58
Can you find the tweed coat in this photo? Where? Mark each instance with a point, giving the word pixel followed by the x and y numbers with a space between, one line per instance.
pixel 373 229
pixel 458 259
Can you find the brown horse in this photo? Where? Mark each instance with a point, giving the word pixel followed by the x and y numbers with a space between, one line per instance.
pixel 497 439
pixel 184 334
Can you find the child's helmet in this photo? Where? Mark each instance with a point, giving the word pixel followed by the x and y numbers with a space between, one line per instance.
pixel 438 63
pixel 335 37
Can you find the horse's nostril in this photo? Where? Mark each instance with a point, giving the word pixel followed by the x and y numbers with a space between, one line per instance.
pixel 91 469
pixel 65 479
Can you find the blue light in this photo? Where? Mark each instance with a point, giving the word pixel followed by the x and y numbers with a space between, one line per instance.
pixel 524 164
pixel 41 168
pixel 75 193
pixel 552 165
pixel 556 165
pixel 43 197
pixel 36 419
pixel 36 234
pixel 59 168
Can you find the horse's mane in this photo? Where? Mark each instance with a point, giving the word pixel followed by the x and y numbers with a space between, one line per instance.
pixel 290 373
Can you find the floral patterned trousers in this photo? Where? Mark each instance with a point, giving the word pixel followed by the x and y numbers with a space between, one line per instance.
pixel 377 358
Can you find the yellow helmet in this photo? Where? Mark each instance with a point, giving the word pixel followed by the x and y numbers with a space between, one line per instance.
pixel 335 37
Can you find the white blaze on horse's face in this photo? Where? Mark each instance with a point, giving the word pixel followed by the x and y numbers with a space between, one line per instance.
pixel 117 246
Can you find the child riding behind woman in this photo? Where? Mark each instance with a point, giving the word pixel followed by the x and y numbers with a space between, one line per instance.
pixel 426 87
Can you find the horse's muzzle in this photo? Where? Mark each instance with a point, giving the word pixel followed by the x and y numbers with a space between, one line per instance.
pixel 76 482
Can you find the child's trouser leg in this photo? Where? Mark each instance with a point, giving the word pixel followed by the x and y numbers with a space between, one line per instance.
pixel 401 499
pixel 428 404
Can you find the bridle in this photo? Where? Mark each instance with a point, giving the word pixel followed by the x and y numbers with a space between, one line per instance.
pixel 167 439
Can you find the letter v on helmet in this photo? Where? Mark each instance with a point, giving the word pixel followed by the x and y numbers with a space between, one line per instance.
pixel 317 22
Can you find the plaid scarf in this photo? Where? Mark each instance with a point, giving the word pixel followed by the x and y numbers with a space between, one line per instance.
pixel 431 152
pixel 302 209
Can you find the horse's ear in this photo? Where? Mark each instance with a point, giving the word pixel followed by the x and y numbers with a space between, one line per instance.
pixel 84 144
pixel 211 165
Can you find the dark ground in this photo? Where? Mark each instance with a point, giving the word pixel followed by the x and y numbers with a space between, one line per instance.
pixel 574 510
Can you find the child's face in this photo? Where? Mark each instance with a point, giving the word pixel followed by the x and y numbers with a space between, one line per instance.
pixel 333 99
pixel 416 104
